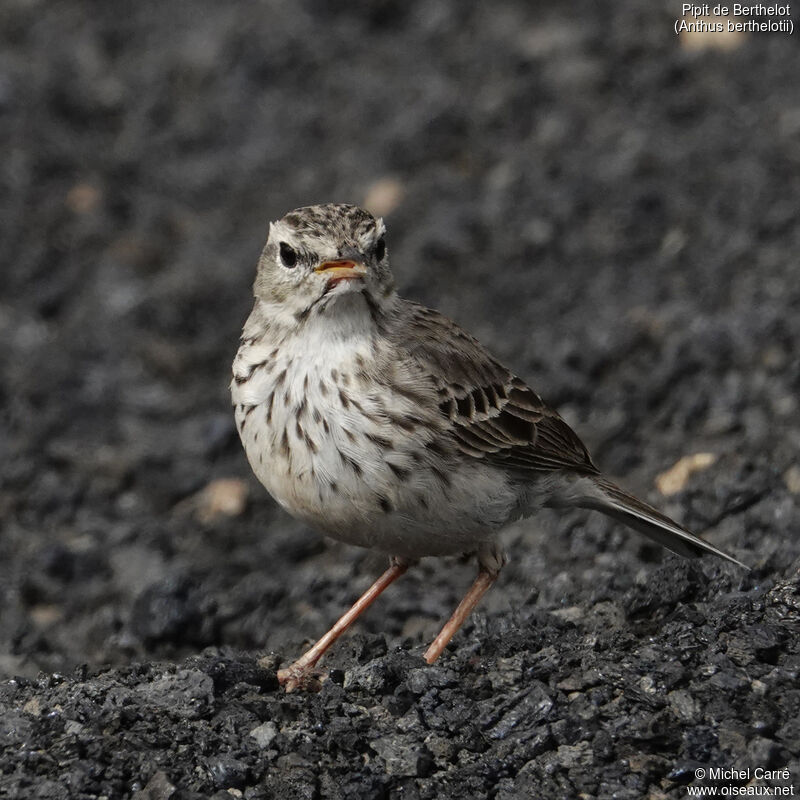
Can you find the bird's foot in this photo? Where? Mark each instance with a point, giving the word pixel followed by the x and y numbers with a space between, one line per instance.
pixel 302 677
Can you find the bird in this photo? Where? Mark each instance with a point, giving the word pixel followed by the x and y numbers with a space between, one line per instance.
pixel 381 423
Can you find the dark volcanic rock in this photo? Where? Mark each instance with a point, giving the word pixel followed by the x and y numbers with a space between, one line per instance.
pixel 611 212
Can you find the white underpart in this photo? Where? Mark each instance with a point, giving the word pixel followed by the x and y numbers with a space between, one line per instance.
pixel 426 516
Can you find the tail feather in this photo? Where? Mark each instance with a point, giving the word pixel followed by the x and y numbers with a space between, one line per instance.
pixel 645 519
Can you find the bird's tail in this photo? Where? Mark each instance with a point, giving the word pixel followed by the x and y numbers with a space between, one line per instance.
pixel 645 519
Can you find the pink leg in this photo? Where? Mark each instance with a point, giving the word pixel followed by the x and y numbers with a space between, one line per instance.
pixel 298 674
pixel 482 583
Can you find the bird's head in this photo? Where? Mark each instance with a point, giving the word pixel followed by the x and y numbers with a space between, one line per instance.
pixel 318 258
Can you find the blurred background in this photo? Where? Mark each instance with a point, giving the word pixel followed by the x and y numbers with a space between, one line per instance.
pixel 611 208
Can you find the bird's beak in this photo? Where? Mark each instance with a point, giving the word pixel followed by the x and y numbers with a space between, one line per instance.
pixel 342 268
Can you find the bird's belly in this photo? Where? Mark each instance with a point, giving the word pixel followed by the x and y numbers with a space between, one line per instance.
pixel 347 464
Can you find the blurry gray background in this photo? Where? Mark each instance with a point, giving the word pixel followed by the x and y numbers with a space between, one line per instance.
pixel 610 208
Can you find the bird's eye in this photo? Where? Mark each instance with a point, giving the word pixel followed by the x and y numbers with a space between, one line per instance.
pixel 380 249
pixel 288 256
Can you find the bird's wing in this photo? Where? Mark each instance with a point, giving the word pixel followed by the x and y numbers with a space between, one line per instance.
pixel 492 414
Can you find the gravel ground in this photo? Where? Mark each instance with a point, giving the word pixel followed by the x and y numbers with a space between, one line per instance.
pixel 611 209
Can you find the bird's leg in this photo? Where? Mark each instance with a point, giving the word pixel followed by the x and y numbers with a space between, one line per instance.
pixel 482 583
pixel 491 561
pixel 298 674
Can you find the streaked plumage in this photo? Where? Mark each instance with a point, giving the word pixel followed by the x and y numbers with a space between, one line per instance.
pixel 384 424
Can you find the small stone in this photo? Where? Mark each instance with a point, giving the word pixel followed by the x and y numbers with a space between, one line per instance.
pixel 384 196
pixel 579 681
pixel 370 677
pixel 606 616
pixel 265 734
pixel 159 787
pixel 33 707
pixel 683 705
pixel 729 681
pixel 402 755
pixel 15 727
pixel 507 671
pixel 186 692
pixel 83 198
pixel 569 755
pixel 228 772
pixel 763 752
pixel 648 685
pixel 676 477
pixel 270 661
pixel 44 615
pixel 74 728
pixel 571 684
pixel 646 764
pixel 506 718
pixel 731 740
pixel 442 748
pixel 792 479
pixel 423 679
pixel 224 497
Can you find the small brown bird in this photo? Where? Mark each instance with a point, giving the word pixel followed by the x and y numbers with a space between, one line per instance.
pixel 383 424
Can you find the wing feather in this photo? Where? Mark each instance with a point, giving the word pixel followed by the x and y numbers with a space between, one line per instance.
pixel 490 413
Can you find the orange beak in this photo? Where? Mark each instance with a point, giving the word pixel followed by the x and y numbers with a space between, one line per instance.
pixel 342 269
